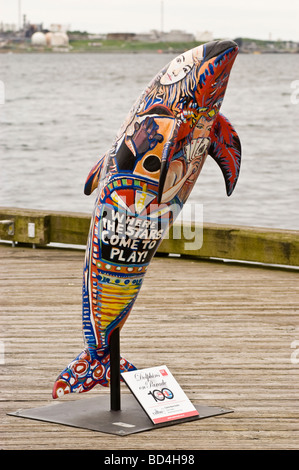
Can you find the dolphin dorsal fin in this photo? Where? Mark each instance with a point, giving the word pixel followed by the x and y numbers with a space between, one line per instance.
pixel 94 176
pixel 225 149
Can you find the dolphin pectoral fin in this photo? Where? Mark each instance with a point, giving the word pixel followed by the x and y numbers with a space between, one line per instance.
pixel 95 174
pixel 225 149
pixel 90 368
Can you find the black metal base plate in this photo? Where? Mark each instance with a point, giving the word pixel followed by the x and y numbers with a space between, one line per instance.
pixel 95 414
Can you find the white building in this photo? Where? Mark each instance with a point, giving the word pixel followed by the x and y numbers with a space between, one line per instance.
pixel 57 39
pixel 50 39
pixel 176 35
pixel 59 28
pixel 38 39
pixel 4 27
pixel 204 36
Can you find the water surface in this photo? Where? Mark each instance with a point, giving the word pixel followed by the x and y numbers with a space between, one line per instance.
pixel 62 112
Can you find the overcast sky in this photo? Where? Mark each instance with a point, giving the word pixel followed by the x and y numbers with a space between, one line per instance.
pixel 262 19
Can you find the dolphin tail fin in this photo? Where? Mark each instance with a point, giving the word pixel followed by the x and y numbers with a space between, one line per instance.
pixel 225 149
pixel 94 176
pixel 90 368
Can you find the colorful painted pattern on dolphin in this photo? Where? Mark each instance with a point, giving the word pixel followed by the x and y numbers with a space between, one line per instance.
pixel 143 182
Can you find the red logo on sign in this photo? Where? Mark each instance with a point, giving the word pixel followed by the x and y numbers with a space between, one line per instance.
pixel 163 372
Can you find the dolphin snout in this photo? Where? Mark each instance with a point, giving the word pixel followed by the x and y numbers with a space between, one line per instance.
pixel 214 48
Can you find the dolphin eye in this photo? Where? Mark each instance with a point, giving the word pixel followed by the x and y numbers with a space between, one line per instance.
pixel 186 69
pixel 152 163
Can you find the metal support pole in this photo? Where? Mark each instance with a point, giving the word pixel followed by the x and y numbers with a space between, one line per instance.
pixel 115 371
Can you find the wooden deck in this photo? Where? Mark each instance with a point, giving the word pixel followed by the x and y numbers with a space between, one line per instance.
pixel 226 331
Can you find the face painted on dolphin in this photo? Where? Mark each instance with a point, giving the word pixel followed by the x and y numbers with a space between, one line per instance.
pixel 203 127
pixel 181 66
pixel 183 171
pixel 201 90
pixel 149 170
pixel 169 109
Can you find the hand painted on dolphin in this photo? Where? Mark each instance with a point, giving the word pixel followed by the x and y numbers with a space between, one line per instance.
pixel 146 136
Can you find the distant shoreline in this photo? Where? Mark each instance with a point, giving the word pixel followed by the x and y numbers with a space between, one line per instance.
pixel 247 46
pixel 120 51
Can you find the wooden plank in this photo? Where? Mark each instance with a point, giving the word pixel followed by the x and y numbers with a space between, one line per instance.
pixel 235 242
pixel 254 244
pixel 28 226
pixel 69 228
pixel 225 331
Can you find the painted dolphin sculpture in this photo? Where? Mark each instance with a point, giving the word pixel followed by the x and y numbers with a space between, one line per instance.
pixel 143 182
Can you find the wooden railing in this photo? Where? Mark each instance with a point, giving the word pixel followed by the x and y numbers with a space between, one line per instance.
pixel 254 244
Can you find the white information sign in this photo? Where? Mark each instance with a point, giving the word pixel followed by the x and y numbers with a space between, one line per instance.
pixel 159 394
